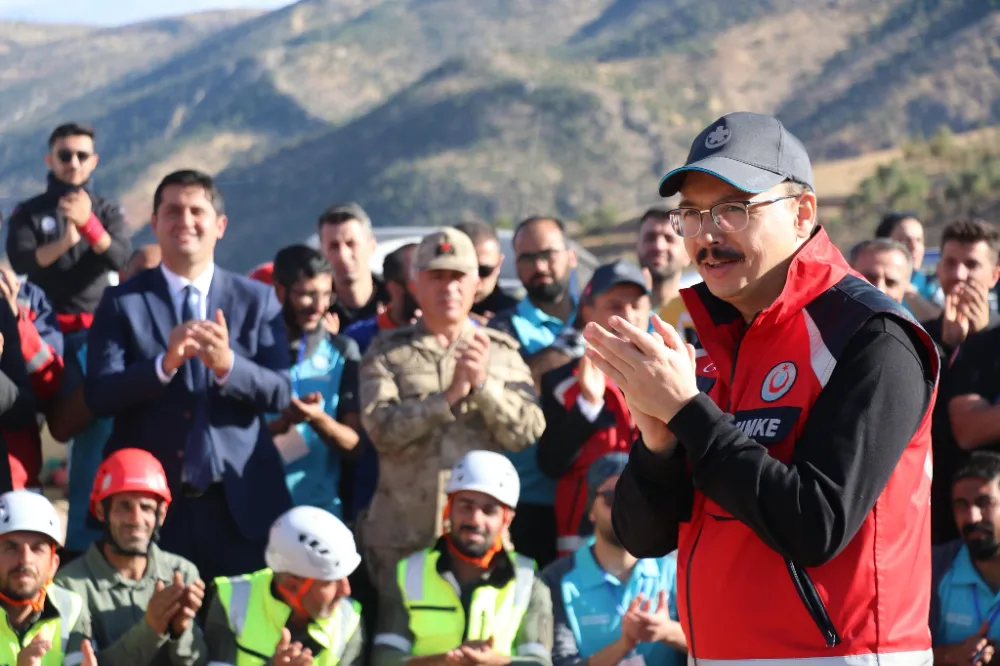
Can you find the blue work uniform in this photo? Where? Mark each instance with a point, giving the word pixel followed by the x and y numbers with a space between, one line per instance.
pixel 588 605
pixel 328 366
pixel 960 599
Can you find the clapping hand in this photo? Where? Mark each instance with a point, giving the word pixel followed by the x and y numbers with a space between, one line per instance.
pixel 213 340
pixel 656 372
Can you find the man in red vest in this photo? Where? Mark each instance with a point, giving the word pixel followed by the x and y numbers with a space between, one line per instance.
pixel 797 489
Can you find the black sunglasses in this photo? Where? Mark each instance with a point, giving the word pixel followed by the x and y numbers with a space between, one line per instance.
pixel 486 271
pixel 66 156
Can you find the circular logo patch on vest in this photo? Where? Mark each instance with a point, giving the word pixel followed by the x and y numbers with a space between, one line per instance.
pixel 778 381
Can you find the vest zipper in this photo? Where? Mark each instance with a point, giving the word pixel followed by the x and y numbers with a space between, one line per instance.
pixel 736 353
pixel 687 593
pixel 813 603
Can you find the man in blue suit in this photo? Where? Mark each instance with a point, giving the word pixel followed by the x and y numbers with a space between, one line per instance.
pixel 187 358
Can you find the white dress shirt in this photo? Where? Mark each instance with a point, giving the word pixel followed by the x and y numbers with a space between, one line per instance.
pixel 176 285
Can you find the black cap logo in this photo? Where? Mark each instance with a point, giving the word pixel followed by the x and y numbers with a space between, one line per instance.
pixel 718 137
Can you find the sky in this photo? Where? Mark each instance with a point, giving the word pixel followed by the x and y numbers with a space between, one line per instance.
pixel 117 12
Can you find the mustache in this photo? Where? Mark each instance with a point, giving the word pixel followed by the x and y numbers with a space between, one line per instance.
pixel 469 529
pixel 972 528
pixel 719 253
pixel 538 276
pixel 21 568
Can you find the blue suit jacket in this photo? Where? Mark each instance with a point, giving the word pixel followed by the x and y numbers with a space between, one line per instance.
pixel 131 328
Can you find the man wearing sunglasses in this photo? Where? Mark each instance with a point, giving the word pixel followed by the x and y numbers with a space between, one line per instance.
pixel 69 240
pixel 797 490
pixel 490 299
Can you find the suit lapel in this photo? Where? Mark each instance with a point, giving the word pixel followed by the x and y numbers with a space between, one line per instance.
pixel 160 304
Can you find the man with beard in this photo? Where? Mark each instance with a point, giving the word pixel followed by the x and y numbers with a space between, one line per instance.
pixel 70 420
pixel 321 425
pixel 397 271
pixel 608 606
pixel 298 611
pixel 45 625
pixel 126 576
pixel 467 600
pixel 585 413
pixel 545 267
pixel 663 256
pixel 966 572
pixel 967 270
pixel 432 392
pixel 661 253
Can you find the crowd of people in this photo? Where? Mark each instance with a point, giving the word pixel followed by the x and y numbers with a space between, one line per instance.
pixel 315 464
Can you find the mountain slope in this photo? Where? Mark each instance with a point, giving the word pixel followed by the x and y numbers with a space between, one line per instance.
pixel 429 110
pixel 473 137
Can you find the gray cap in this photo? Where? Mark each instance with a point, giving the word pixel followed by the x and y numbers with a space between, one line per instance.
pixel 602 469
pixel 750 151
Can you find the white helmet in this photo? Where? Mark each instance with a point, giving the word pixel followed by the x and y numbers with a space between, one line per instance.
pixel 311 543
pixel 486 472
pixel 26 511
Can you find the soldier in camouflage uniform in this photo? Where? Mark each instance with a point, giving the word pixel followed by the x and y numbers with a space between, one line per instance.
pixel 432 392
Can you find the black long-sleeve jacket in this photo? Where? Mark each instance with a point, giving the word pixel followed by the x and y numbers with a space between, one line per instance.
pixel 809 510
pixel 76 281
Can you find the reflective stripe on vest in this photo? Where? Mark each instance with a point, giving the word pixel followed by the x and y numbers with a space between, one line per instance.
pixel 56 629
pixel 916 658
pixel 257 618
pixel 437 619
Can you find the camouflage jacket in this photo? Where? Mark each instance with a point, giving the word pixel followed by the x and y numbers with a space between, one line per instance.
pixel 419 437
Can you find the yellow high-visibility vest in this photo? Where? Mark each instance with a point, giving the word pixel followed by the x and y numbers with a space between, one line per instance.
pixel 257 619
pixel 437 619
pixel 55 629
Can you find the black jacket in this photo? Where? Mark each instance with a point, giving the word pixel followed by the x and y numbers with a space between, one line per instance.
pixel 76 281
pixel 883 364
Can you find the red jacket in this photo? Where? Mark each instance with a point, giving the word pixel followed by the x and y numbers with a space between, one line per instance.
pixel 572 511
pixel 45 369
pixel 747 601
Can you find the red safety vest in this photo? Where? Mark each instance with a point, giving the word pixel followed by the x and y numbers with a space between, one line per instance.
pixel 739 600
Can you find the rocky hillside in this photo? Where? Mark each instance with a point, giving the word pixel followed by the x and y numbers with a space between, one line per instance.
pixel 432 110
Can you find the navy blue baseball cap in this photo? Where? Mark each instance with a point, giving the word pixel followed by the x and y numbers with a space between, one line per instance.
pixel 750 151
pixel 602 469
pixel 611 275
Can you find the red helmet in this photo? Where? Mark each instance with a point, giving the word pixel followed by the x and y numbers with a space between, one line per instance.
pixel 129 470
pixel 263 273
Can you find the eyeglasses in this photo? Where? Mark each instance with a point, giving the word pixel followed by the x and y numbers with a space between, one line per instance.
pixel 730 216
pixel 66 156
pixel 531 258
pixel 486 271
